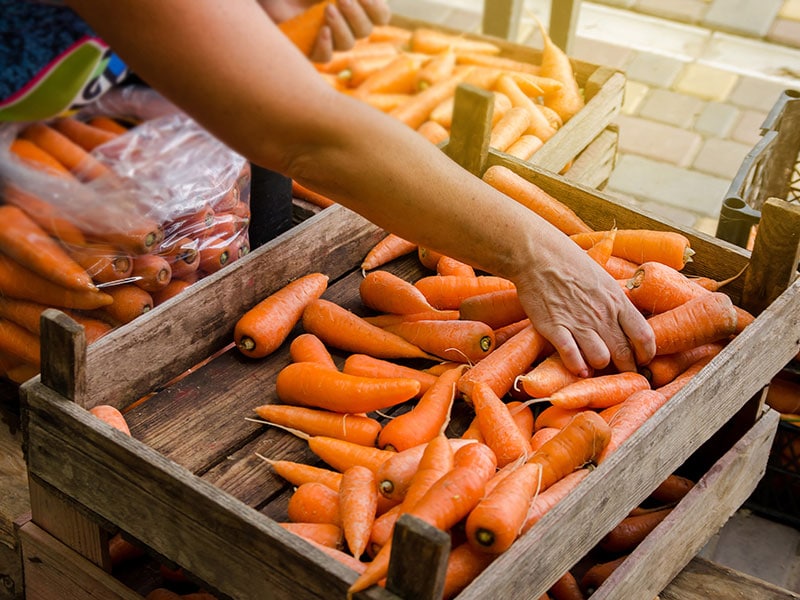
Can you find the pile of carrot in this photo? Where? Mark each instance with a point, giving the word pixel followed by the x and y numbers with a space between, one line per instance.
pixel 101 278
pixel 373 394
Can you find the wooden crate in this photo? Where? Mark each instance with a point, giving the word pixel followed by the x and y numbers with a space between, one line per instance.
pixel 14 504
pixel 189 487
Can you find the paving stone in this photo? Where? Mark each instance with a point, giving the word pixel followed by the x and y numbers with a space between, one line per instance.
pixel 706 82
pixel 635 92
pixel 752 57
pixel 654 69
pixel 658 141
pixel 655 181
pixel 716 119
pixel 598 52
pixel 756 93
pixel 721 157
pixel 748 129
pixel 685 11
pixel 742 16
pixel 671 108
pixel 785 31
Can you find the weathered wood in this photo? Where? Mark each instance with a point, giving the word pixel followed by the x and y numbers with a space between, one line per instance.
pixel 421 564
pixel 469 137
pixel 563 22
pixel 593 166
pixel 661 556
pixel 63 364
pixel 703 579
pixel 14 503
pixel 501 18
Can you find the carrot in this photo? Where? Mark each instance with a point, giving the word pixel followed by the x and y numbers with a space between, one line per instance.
pixel 215 256
pixel 298 473
pixel 28 314
pixel 629 532
pixel 539 125
pixel 600 391
pixel 18 282
pixel 501 367
pixel 340 60
pixel 128 302
pixel 358 429
pixel 424 421
pixel 21 372
pixel 456 340
pixel 341 454
pixel 152 272
pixel 594 577
pixel 535 85
pixel 546 378
pixel 445 503
pixel 386 292
pixel 162 594
pixel 434 132
pixel 674 386
pixel 358 504
pixel 463 565
pixel 314 503
pixel 386 102
pixel 437 68
pixel 555 64
pixel 121 550
pixel 632 414
pixel 325 534
pixel 566 588
pixel 388 249
pixel 112 416
pixel 343 557
pixel 391 33
pixel 506 332
pixel 663 369
pixel 579 443
pixel 313 385
pixel 365 365
pixel 428 257
pixel 620 268
pixel 85 135
pixel 495 523
pixel 416 110
pixel 340 328
pixel 265 326
pixel 22 239
pixel 529 194
pixel 446 265
pixel 432 41
pixel 672 489
pixel 108 124
pixel 602 249
pixel 701 320
pixel 510 128
pixel 307 347
pixel 302 29
pixel 644 245
pixel 525 147
pixel 387 319
pixel 498 428
pixel 142 237
pixel 172 289
pixel 496 309
pixel 555 416
pixel 523 416
pixel 397 77
pixel 37 157
pixel 19 342
pixel 102 262
pixel 541 436
pixel 448 291
pixel 79 162
pixel 304 193
pixel 361 66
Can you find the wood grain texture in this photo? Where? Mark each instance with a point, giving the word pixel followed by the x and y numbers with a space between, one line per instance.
pixel 14 503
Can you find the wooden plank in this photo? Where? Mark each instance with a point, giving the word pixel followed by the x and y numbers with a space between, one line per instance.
pixel 14 503
pixel 661 556
pixel 703 579
pixel 469 138
pixel 421 565
pixel 63 367
pixel 563 22
pixel 501 18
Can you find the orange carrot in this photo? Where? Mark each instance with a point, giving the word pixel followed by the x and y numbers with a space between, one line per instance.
pixel 326 534
pixel 555 63
pixel 433 41
pixel 674 386
pixel 511 126
pixel 340 328
pixel 313 385
pixel 644 245
pixel 620 268
pixel 129 302
pixel 18 282
pixel 215 256
pixel 424 421
pixel 162 594
pixel 112 416
pixel 566 588
pixel 629 532
pixel 298 473
pixel 555 416
pixel 387 319
pixel 495 523
pixel 435 69
pixel 386 292
pixel 361 66
pixel 632 414
pixel 708 318
pixel 529 194
pixel 28 314
pixel 142 237
pixel 79 162
pixel 388 249
pixel 498 428
pixel 663 369
pixel 108 124
pixel 600 391
pixel 358 429
pixel 456 340
pixel 85 135
pixel 307 347
pixel 397 77
pixel 541 436
pixel 389 33
pixel 501 367
pixel 434 132
pixel 22 239
pixel 447 265
pixel 358 504
pixel 594 577
pixel 463 565
pixel 536 85
pixel 304 193
pixel 386 102
pixel 120 550
pixel 448 291
pixel 152 271
pixel 499 64
pixel 314 503
pixel 602 249
pixel 264 327
pixel 539 124
pixel 672 489
pixel 505 333
pixel 428 257
pixel 416 110
pixel 525 147
pixel 496 309
pixel 19 342
pixel 37 157
pixel 546 378
pixel 302 29
pixel 365 365
pixel 102 262
pixel 172 289
pixel 342 557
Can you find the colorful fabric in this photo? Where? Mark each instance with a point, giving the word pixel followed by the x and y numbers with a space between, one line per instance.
pixel 51 62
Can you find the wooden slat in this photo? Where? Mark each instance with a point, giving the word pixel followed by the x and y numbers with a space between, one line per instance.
pixel 419 570
pixel 14 503
pixel 469 138
pixel 501 18
pixel 563 22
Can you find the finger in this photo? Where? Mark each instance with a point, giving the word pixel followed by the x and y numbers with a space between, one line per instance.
pixel 340 31
pixel 568 350
pixel 357 18
pixel 322 51
pixel 595 350
pixel 622 354
pixel 378 11
pixel 640 335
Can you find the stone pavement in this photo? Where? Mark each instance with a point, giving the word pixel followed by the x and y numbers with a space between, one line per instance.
pixel 702 76
pixel 695 97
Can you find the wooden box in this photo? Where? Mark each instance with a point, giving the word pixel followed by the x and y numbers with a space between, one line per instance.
pixel 189 487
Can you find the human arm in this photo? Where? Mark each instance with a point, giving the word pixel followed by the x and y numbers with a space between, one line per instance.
pixel 229 67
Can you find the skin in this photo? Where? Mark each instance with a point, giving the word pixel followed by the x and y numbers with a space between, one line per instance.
pixel 228 66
